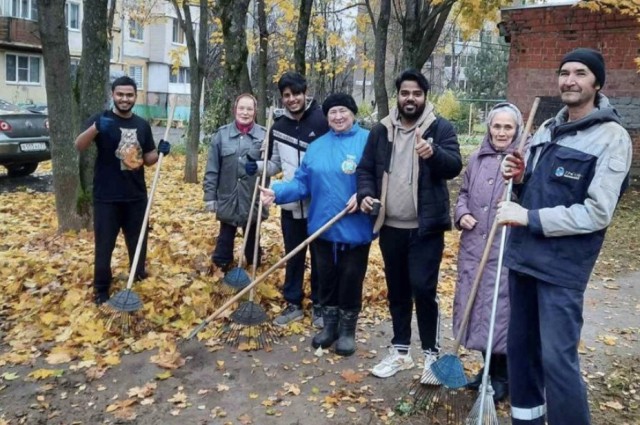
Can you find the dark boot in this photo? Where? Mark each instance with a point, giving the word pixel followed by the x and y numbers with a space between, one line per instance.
pixel 499 377
pixel 346 344
pixel 101 293
pixel 329 333
pixel 476 381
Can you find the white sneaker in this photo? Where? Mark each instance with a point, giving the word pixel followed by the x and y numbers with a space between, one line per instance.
pixel 392 364
pixel 428 378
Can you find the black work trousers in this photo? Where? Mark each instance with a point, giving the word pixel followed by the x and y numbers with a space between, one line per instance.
pixel 294 232
pixel 223 252
pixel 341 271
pixel 108 219
pixel 411 266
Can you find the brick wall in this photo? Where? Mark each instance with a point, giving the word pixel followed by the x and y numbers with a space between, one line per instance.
pixel 541 35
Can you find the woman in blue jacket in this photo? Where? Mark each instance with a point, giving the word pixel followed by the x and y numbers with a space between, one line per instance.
pixel 327 176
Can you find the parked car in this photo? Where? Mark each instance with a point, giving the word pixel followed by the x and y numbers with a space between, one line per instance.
pixel 24 139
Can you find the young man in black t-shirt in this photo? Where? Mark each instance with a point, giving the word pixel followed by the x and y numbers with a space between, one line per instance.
pixel 125 143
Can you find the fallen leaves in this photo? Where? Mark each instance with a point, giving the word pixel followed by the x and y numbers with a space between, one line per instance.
pixel 46 373
pixel 352 377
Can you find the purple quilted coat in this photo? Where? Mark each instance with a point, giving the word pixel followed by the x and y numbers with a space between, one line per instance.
pixel 481 191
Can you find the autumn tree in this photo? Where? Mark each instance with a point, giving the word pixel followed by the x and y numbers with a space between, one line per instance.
pixel 69 105
pixel 380 29
pixel 301 36
pixel 487 74
pixel 197 48
pixel 232 15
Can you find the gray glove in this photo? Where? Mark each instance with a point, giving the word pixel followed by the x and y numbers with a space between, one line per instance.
pixel 211 206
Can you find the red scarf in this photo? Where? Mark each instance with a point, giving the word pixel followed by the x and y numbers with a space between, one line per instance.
pixel 244 128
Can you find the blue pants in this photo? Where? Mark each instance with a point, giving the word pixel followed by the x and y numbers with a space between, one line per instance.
pixel 294 232
pixel 542 349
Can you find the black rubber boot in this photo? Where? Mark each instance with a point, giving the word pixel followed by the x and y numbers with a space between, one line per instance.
pixel 329 333
pixel 499 377
pixel 346 344
pixel 476 381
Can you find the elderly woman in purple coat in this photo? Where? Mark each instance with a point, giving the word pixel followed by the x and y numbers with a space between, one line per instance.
pixel 481 190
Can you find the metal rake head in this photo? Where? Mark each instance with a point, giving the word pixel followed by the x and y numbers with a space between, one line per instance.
pixel 489 416
pixel 249 328
pixel 438 404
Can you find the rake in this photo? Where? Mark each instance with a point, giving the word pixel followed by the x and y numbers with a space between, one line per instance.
pixel 448 369
pixel 237 278
pixel 264 275
pixel 122 307
pixel 250 328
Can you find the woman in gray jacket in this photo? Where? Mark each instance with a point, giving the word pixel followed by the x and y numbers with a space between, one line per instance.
pixel 227 187
pixel 475 211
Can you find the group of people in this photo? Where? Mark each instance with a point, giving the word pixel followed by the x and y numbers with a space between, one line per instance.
pixel 392 183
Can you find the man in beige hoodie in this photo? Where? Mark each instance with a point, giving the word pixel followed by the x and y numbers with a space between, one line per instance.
pixel 407 161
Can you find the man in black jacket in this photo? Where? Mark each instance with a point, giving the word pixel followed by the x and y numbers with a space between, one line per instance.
pixel 408 158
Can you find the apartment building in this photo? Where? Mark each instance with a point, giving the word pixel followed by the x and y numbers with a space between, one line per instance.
pixel 143 48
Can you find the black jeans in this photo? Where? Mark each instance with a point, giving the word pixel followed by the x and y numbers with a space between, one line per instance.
pixel 223 252
pixel 108 219
pixel 411 266
pixel 294 232
pixel 341 271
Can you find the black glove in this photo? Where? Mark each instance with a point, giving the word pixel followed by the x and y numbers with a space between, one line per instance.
pixel 251 166
pixel 164 147
pixel 103 123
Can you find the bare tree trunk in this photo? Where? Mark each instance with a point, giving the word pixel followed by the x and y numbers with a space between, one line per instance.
pixel 62 109
pixel 262 63
pixel 422 25
pixel 300 47
pixel 232 15
pixel 93 89
pixel 381 27
pixel 197 59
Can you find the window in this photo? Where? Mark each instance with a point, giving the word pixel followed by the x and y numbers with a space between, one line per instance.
pixel 181 76
pixel 135 72
pixel 72 15
pixel 136 30
pixel 22 69
pixel 75 64
pixel 178 33
pixel 447 60
pixel 26 9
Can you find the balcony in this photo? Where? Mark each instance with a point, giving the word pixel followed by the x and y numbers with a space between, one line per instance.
pixel 19 33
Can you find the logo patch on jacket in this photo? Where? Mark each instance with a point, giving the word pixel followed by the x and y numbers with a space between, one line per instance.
pixel 349 165
pixel 561 172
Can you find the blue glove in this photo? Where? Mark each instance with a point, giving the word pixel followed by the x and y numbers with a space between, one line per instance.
pixel 164 147
pixel 251 166
pixel 103 123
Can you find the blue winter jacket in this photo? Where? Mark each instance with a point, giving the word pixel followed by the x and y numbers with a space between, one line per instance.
pixel 327 175
pixel 575 175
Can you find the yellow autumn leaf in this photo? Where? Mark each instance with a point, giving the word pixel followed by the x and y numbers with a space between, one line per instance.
pixel 46 373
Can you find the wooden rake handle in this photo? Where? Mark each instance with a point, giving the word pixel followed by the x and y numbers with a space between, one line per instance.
pixel 145 220
pixel 264 275
pixel 492 233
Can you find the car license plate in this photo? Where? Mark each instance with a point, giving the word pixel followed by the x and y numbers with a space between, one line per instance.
pixel 33 147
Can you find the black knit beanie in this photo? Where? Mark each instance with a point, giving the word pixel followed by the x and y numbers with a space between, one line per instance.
pixel 592 58
pixel 339 99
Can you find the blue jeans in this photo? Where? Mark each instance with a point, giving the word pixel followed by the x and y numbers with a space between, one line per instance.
pixel 294 232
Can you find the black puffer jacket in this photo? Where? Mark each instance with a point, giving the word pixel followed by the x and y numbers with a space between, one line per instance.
pixel 433 194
